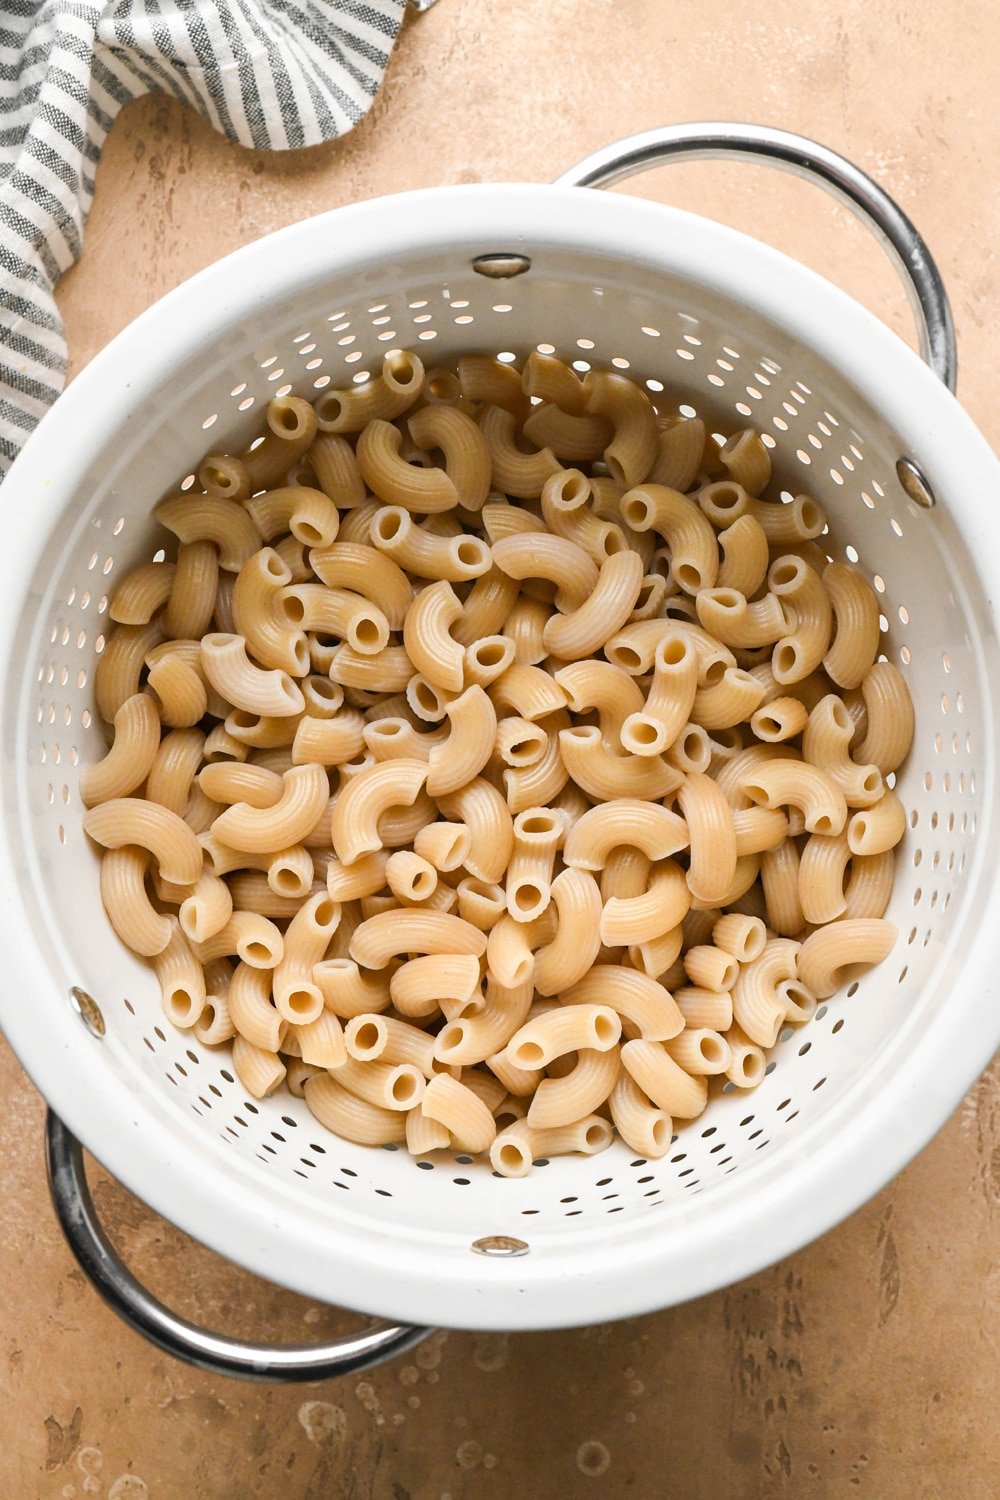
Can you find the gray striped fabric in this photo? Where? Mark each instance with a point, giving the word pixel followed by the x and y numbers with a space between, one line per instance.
pixel 268 73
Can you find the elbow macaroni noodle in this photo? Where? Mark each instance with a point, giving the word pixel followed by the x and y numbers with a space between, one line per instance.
pixel 495 763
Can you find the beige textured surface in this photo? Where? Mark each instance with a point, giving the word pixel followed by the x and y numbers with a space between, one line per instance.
pixel 868 1364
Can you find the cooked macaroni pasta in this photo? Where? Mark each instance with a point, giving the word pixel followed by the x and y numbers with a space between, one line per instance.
pixel 495 762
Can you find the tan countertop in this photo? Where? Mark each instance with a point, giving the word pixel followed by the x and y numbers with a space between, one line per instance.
pixel 868 1364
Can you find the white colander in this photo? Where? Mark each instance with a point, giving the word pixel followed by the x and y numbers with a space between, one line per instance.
pixel 743 335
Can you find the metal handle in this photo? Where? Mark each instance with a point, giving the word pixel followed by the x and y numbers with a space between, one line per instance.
pixel 138 1307
pixel 847 183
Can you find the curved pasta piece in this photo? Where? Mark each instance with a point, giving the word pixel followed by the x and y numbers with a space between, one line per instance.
pixel 328 742
pixel 530 692
pixel 486 608
pixel 454 558
pixel 515 472
pixel 822 869
pixel 305 793
pixel 877 828
pixel 701 1051
pixel 630 821
pixel 411 879
pixel 585 629
pixel 425 985
pixel 120 666
pixel 467 460
pixel 565 1029
pixel 681 447
pixel 856 625
pixel 181 979
pixel 540 784
pixel 669 701
pixel 561 1101
pixel 310 515
pixel 412 930
pixel 227 667
pixel 634 447
pixel 274 642
pixel 634 648
pixel 427 637
pixel 551 379
pixel 746 461
pixel 793 783
pixel 779 878
pixel 837 953
pixel 889 709
pixel 367 571
pixel 486 815
pixel 251 1010
pixel 730 695
pixel 330 611
pixel 454 762
pixel 566 512
pixel 604 688
pixel 642 1126
pixel 802 651
pixel 730 618
pixel 520 1144
pixel 694 556
pixel 296 997
pixel 396 481
pixel 679 1094
pixel 131 913
pixel 645 1006
pixel 391 393
pixel 470 1039
pixel 195 595
pixel 207 910
pixel 455 1106
pixel 352 1118
pixel 365 798
pixel 604 775
pixel 335 466
pixel 552 558
pixel 745 556
pixel 347 991
pixel 131 756
pixel 869 889
pixel 131 820
pixel 759 1006
pixel 712 837
pixel 482 378
pixel 204 518
pixel 141 593
pixel 825 743
pixel 387 671
pixel 643 917
pixel 560 963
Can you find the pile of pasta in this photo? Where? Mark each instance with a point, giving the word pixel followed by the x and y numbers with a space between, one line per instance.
pixel 494 763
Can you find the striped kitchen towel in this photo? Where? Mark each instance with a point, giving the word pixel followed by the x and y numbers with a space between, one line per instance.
pixel 269 73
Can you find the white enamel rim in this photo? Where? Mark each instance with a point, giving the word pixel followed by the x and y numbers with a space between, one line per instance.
pixel 604 1272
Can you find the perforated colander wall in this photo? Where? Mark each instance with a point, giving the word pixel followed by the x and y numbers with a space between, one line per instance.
pixel 692 349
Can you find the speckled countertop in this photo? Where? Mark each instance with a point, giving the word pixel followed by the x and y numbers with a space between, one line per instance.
pixel 866 1365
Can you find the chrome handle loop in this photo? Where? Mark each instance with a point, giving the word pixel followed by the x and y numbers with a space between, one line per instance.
pixel 729 141
pixel 173 1334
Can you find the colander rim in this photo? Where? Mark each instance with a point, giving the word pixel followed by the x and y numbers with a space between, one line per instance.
pixel 614 1272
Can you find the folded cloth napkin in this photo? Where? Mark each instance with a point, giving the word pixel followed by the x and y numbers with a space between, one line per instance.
pixel 268 73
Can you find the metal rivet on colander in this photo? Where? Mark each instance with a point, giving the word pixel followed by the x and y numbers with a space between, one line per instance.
pixel 914 482
pixel 500 1244
pixel 88 1010
pixel 501 267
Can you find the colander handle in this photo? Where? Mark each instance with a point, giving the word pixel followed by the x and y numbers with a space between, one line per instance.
pixel 727 141
pixel 174 1335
